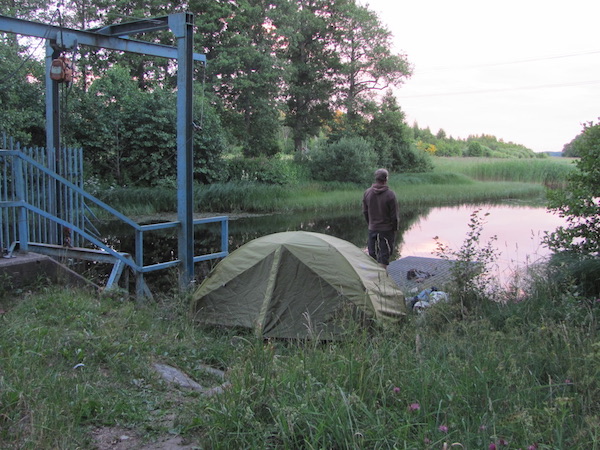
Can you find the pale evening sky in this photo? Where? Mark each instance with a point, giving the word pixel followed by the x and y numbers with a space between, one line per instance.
pixel 526 71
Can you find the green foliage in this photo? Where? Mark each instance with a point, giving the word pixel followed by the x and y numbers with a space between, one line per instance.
pixel 474 146
pixel 129 135
pixel 472 264
pixel 209 143
pixel 393 141
pixel 349 159
pixel 578 203
pixel 367 62
pixel 247 75
pixel 309 52
pixel 276 170
pixel 475 149
pixel 21 94
pixel 74 365
pixel 577 273
pixel 571 149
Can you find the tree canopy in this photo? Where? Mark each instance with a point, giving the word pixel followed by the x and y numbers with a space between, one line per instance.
pixel 579 204
pixel 281 75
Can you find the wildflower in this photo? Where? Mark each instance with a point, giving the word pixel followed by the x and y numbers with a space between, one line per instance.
pixel 568 381
pixel 427 440
pixel 502 442
pixel 492 446
pixel 396 390
pixel 414 406
pixel 443 428
pixel 482 428
pixel 532 447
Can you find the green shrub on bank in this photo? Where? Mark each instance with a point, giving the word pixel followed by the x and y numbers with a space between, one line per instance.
pixel 351 159
pixel 275 170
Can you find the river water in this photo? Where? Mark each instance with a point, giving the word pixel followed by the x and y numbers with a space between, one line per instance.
pixel 518 230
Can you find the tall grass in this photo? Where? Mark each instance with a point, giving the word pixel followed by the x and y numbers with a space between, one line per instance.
pixel 428 189
pixel 551 172
pixel 521 374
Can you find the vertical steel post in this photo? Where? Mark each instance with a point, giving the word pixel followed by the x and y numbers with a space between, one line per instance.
pixel 52 137
pixel 182 26
pixel 21 197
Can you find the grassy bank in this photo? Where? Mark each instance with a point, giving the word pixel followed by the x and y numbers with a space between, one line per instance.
pixel 428 189
pixel 75 369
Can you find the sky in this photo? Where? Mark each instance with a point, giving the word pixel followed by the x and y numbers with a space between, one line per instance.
pixel 525 71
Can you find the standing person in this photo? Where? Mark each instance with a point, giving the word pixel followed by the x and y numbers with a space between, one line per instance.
pixel 380 209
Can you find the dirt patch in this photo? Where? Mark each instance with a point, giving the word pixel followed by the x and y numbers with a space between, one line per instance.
pixel 117 438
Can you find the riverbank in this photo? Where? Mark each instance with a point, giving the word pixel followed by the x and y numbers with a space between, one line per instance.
pixel 77 371
pixel 413 190
pixel 453 181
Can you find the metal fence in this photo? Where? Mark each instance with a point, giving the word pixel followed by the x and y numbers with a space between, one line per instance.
pixel 42 201
pixel 37 187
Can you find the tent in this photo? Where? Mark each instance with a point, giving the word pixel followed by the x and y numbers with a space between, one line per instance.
pixel 297 284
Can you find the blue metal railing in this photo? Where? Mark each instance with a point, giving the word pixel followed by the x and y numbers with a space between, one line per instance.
pixel 15 204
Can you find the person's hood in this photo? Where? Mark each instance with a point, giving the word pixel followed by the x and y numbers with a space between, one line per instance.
pixel 379 188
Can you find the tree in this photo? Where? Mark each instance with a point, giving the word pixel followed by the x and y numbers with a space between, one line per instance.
pixel 392 139
pixel 571 149
pixel 307 46
pixel 21 94
pixel 367 62
pixel 247 77
pixel 579 203
pixel 475 149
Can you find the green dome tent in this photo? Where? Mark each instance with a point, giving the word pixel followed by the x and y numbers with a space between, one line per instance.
pixel 296 284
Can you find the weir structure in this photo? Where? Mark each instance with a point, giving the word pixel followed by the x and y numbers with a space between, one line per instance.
pixel 19 191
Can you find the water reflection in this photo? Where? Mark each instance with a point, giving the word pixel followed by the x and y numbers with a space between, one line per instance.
pixel 519 230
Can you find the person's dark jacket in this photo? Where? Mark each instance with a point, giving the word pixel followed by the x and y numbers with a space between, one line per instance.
pixel 380 208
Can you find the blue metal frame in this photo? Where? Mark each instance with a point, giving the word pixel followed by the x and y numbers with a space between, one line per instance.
pixel 115 37
pixel 137 264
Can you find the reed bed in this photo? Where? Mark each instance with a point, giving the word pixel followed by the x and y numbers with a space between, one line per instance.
pixel 551 172
pixel 412 190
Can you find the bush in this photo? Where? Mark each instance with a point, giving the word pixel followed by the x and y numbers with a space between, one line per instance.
pixel 264 170
pixel 578 272
pixel 411 159
pixel 349 159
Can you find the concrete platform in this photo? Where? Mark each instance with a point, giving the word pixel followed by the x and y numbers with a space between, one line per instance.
pixel 24 270
pixel 436 273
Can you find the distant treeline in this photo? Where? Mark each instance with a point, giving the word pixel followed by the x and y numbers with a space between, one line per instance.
pixel 483 145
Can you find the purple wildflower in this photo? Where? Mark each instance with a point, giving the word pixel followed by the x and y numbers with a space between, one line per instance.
pixel 443 428
pixel 396 390
pixel 414 406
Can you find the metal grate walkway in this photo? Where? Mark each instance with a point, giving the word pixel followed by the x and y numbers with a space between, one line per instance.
pixel 437 269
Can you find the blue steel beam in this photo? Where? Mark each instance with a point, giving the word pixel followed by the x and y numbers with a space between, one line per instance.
pixel 136 27
pixel 182 27
pixel 68 38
